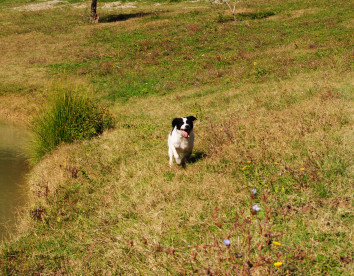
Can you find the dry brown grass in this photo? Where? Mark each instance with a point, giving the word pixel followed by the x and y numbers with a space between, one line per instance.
pixel 18 108
pixel 113 205
pixel 142 209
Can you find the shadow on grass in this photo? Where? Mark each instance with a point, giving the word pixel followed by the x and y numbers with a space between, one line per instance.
pixel 245 16
pixel 122 17
pixel 196 156
pixel 254 15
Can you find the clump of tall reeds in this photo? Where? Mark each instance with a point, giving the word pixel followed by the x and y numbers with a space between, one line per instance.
pixel 69 117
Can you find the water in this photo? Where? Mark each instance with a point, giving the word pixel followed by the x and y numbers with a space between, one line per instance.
pixel 13 168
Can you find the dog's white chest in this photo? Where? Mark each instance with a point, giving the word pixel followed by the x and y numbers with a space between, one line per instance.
pixel 180 143
pixel 184 144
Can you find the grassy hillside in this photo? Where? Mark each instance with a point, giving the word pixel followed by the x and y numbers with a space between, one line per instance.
pixel 273 94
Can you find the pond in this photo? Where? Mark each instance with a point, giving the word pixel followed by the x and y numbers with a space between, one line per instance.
pixel 13 169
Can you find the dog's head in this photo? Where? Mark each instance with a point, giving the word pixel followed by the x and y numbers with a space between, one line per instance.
pixel 184 125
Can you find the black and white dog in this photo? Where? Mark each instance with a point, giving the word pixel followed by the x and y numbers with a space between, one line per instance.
pixel 181 139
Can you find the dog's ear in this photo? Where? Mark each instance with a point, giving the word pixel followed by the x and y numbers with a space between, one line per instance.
pixel 192 118
pixel 174 122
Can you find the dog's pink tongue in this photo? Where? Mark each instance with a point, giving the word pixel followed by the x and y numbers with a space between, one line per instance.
pixel 185 134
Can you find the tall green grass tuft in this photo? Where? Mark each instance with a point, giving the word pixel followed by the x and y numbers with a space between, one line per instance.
pixel 70 117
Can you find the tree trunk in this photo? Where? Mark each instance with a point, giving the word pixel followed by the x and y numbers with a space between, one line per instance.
pixel 94 17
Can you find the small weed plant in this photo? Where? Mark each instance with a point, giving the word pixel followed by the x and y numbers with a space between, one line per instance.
pixel 70 117
pixel 230 5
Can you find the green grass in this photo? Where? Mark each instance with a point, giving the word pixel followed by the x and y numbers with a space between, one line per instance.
pixel 69 118
pixel 273 95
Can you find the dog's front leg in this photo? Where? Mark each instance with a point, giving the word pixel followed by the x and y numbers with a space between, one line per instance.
pixel 170 154
pixel 186 157
pixel 176 155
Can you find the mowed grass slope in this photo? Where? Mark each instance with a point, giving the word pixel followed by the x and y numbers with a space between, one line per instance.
pixel 273 96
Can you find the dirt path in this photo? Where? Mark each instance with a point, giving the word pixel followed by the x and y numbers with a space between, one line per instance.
pixel 58 3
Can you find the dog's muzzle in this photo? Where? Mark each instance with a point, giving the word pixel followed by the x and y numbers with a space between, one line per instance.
pixel 185 133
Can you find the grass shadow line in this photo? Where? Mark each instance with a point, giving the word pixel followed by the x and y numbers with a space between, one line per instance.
pixel 122 17
pixel 254 15
pixel 196 156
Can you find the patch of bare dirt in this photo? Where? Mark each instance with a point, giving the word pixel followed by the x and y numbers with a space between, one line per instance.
pixel 57 3
pixel 40 6
pixel 119 5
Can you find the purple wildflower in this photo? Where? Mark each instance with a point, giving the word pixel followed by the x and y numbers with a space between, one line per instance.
pixel 256 208
pixel 227 242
